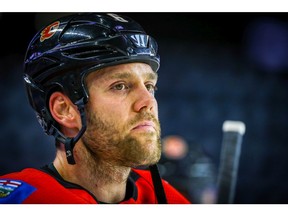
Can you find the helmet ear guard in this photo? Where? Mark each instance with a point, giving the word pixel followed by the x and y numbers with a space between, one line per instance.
pixel 37 99
pixel 63 53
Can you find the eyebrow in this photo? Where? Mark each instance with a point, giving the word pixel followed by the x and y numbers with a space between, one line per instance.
pixel 152 76
pixel 125 75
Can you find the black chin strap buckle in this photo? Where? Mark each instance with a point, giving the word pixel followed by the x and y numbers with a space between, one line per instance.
pixel 69 145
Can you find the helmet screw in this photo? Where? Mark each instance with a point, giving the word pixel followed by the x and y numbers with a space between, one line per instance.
pixel 130 50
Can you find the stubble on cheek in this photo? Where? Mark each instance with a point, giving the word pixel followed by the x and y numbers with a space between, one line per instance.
pixel 109 142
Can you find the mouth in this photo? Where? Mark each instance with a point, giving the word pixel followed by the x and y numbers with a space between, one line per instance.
pixel 145 126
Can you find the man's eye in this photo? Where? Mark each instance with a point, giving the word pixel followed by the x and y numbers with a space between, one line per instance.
pixel 120 87
pixel 151 88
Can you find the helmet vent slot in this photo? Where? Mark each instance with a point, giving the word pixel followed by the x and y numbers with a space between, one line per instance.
pixel 88 52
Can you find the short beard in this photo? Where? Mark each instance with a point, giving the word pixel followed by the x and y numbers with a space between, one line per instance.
pixel 109 147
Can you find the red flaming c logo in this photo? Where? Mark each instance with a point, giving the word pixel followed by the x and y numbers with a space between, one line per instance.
pixel 49 31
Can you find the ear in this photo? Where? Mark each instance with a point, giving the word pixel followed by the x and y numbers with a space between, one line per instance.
pixel 64 111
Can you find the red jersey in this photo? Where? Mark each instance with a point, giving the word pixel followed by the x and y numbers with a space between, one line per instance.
pixel 31 186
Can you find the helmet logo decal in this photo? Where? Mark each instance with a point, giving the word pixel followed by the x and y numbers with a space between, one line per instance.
pixel 139 40
pixel 49 31
pixel 117 17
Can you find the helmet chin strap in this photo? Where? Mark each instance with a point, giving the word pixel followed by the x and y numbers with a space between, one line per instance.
pixel 69 142
pixel 157 182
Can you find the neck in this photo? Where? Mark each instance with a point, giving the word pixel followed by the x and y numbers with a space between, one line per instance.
pixel 105 181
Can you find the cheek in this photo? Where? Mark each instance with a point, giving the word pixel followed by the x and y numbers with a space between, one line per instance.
pixel 112 111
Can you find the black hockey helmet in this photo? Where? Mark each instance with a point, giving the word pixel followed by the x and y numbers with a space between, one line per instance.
pixel 61 55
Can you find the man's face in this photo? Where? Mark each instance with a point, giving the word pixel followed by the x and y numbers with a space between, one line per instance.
pixel 122 116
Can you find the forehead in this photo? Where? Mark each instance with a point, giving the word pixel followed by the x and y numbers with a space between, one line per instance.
pixel 123 71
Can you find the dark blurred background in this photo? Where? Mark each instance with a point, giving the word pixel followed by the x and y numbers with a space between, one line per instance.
pixel 214 67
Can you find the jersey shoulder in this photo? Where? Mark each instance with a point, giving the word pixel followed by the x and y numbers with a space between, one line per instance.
pixel 38 187
pixel 17 186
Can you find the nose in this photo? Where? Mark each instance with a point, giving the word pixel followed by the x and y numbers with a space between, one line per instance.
pixel 144 100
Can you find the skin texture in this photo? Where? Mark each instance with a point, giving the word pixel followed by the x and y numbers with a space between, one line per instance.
pixel 123 130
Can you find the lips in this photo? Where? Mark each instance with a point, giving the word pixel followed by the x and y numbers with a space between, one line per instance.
pixel 145 125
